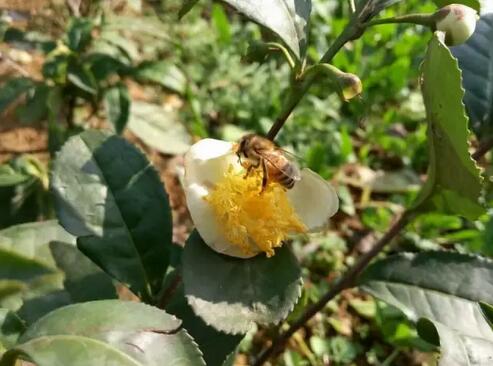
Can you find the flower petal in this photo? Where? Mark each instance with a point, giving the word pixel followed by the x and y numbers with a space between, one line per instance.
pixel 207 160
pixel 206 223
pixel 205 164
pixel 314 200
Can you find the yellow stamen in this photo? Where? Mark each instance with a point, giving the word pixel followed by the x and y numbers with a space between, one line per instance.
pixel 250 219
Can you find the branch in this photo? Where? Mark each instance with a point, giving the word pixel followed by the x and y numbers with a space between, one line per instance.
pixel 168 293
pixel 346 281
pixel 422 19
pixel 483 148
pixel 299 87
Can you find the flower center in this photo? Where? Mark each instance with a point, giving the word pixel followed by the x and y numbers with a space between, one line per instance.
pixel 249 218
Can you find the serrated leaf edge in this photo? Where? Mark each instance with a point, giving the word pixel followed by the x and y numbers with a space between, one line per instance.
pixel 250 323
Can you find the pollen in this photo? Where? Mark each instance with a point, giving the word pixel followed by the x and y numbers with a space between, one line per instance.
pixel 250 218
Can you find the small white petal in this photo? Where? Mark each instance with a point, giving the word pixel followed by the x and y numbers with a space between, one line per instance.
pixel 205 164
pixel 208 160
pixel 314 200
pixel 205 222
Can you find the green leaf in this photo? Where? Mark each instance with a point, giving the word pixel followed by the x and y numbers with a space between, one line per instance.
pixel 16 267
pixel 79 33
pixel 109 332
pixel 35 307
pixel 35 109
pixel 163 73
pixel 454 182
pixel 82 77
pixel 84 281
pixel 117 104
pixel 444 287
pixel 11 327
pixel 186 7
pixel 12 90
pixel 56 68
pixel 221 24
pixel 369 8
pixel 289 19
pixel 215 346
pixel 456 349
pixel 476 62
pixel 159 128
pixel 109 195
pixel 232 294
pixel 32 240
pixel 471 3
pixel 102 65
pixel 487 310
pixel 29 278
pixel 11 177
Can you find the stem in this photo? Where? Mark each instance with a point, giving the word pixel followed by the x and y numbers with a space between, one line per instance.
pixel 346 281
pixel 169 291
pixel 279 47
pixel 484 146
pixel 423 19
pixel 299 87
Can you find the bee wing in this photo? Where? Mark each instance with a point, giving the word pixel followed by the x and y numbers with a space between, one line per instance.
pixel 288 154
pixel 292 170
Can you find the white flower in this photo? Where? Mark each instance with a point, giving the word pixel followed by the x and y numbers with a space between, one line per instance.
pixel 457 21
pixel 231 213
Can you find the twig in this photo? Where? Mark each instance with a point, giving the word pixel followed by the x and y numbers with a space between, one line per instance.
pixel 422 19
pixel 300 87
pixel 169 291
pixel 483 148
pixel 347 280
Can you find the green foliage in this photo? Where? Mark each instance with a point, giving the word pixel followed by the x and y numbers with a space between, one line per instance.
pixel 186 7
pixel 12 90
pixel 262 290
pixel 159 128
pixel 191 80
pixel 162 73
pixel 215 345
pixel 83 281
pixel 424 285
pixel 453 185
pixel 476 63
pixel 291 23
pixel 32 283
pixel 109 196
pixel 456 348
pixel 117 103
pixel 11 328
pixel 145 340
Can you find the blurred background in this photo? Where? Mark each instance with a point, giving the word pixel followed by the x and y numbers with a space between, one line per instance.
pixel 133 66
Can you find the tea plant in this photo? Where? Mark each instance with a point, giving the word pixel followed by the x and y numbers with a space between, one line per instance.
pixel 61 280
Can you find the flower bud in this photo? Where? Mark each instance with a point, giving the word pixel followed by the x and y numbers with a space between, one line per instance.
pixel 457 21
pixel 350 86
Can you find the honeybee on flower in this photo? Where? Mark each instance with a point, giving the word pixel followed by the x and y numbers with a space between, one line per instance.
pixel 247 198
pixel 263 153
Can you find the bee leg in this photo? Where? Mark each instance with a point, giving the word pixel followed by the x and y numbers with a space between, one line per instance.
pixel 264 176
pixel 249 170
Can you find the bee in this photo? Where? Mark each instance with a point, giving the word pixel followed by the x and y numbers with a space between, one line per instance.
pixel 276 166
